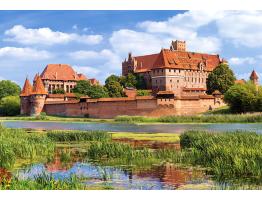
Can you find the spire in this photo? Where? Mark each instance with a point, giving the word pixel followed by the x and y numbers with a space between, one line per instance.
pixel 38 87
pixel 253 75
pixel 27 89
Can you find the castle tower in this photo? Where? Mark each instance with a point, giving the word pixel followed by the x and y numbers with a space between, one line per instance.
pixel 178 46
pixel 38 97
pixel 254 78
pixel 25 98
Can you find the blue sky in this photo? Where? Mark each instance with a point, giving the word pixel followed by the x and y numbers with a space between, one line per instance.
pixel 96 42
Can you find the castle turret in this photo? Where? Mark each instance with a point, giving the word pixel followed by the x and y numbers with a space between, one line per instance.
pixel 254 78
pixel 38 97
pixel 25 98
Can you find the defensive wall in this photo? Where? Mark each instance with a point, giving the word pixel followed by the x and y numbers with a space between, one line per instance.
pixel 142 106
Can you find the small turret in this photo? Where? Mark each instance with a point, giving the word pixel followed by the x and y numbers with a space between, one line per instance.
pixel 254 78
pixel 38 96
pixel 25 98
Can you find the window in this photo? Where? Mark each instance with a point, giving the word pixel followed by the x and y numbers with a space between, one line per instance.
pixel 177 81
pixel 169 70
pixel 171 80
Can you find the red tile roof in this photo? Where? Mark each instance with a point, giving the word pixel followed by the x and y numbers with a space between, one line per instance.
pixel 177 60
pixel 38 87
pixel 253 75
pixel 27 89
pixel 61 72
pixel 242 81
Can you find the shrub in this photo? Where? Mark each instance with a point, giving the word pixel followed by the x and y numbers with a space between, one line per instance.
pixel 10 106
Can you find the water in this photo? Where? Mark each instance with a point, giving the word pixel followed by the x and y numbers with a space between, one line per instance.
pixel 147 128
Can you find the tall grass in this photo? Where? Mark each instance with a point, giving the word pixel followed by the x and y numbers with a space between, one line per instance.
pixel 229 154
pixel 208 118
pixel 75 135
pixel 18 144
pixel 109 150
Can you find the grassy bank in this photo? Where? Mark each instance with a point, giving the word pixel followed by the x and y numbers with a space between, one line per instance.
pixel 18 144
pixel 228 154
pixel 207 118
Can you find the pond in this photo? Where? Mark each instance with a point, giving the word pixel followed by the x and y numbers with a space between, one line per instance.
pixel 146 128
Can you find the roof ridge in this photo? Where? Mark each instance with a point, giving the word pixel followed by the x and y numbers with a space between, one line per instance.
pixel 38 87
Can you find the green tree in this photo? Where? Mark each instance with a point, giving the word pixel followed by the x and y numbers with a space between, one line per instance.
pixel 128 81
pixel 221 79
pixel 112 78
pixel 8 88
pixel 140 82
pixel 114 89
pixel 58 91
pixel 84 87
pixel 10 106
pixel 244 98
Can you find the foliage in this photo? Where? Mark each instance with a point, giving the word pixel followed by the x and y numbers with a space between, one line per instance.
pixel 114 89
pixel 9 88
pixel 84 87
pixel 210 118
pixel 41 116
pixel 140 82
pixel 58 91
pixel 143 92
pixel 10 106
pixel 44 181
pixel 18 144
pixel 221 79
pixel 69 136
pixel 244 97
pixel 228 154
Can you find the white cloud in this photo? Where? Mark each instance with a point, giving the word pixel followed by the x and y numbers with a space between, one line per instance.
pixel 46 36
pixel 240 61
pixel 75 27
pixel 241 28
pixel 90 72
pixel 24 53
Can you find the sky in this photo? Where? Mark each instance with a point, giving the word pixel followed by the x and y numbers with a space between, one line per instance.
pixel 96 42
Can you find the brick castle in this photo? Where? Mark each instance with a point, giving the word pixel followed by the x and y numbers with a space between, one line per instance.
pixel 176 77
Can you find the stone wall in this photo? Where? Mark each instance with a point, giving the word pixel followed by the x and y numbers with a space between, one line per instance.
pixel 141 106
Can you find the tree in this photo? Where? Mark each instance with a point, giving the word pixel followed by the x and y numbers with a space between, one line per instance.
pixel 140 82
pixel 113 78
pixel 84 87
pixel 114 89
pixel 58 91
pixel 143 92
pixel 244 98
pixel 129 80
pixel 8 88
pixel 221 79
pixel 10 106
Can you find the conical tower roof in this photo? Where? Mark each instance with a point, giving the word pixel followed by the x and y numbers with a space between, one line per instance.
pixel 38 87
pixel 27 89
pixel 253 75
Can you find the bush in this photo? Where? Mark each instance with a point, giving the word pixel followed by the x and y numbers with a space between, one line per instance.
pixel 143 92
pixel 58 91
pixel 10 106
pixel 9 88
pixel 244 98
pixel 41 116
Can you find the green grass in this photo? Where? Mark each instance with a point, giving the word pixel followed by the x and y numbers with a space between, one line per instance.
pixel 75 135
pixel 47 182
pixel 18 144
pixel 159 137
pixel 228 155
pixel 207 118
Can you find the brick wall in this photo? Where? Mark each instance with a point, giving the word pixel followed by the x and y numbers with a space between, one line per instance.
pixel 109 108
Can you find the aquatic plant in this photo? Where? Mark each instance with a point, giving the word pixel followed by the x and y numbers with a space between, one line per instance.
pixel 18 144
pixel 228 154
pixel 75 135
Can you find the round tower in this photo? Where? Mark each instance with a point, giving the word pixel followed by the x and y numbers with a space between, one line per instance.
pixel 37 97
pixel 25 98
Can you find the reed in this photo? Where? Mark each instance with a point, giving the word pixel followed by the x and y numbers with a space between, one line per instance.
pixel 229 154
pixel 75 135
pixel 207 118
pixel 18 144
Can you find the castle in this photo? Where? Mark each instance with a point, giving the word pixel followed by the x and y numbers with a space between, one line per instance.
pixel 176 77
pixel 175 70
